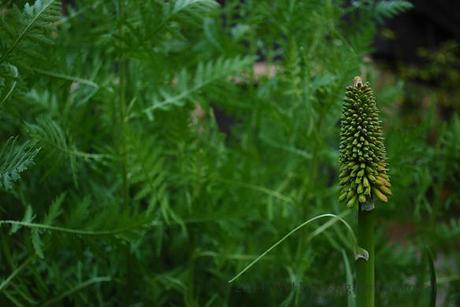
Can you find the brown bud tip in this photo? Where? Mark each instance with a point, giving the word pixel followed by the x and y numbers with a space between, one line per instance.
pixel 357 81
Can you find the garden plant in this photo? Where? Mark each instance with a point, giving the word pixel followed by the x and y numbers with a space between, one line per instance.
pixel 152 151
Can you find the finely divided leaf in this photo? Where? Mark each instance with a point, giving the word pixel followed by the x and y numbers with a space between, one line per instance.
pixel 189 8
pixel 187 84
pixel 28 218
pixel 37 243
pixel 54 210
pixel 390 8
pixel 35 21
pixel 15 159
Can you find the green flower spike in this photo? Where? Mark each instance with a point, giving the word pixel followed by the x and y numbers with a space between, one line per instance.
pixel 363 166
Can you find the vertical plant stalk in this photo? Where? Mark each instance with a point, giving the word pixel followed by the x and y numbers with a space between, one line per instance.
pixel 365 269
pixel 363 176
pixel 123 71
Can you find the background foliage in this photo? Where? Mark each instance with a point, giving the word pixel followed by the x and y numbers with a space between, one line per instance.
pixel 152 149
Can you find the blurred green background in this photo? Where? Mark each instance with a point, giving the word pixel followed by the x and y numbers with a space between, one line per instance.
pixel 150 150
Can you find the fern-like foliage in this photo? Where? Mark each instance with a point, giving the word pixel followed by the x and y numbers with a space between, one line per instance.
pixel 26 29
pixel 15 159
pixel 389 8
pixel 171 22
pixel 147 156
pixel 188 84
pixel 234 148
pixel 23 36
pixel 190 8
pixel 27 218
pixel 58 145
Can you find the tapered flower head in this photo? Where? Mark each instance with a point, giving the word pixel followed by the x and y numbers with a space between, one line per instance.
pixel 363 166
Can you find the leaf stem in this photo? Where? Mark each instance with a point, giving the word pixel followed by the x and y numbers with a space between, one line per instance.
pixel 74 231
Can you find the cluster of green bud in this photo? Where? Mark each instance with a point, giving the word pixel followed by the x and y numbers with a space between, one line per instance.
pixel 363 167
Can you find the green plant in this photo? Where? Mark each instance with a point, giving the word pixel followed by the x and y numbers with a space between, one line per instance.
pixel 363 176
pixel 168 143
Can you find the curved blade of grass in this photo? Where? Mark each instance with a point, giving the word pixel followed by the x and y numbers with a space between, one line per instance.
pixel 351 297
pixel 326 215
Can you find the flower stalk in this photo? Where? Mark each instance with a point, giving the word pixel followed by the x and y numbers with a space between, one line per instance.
pixel 363 176
pixel 365 268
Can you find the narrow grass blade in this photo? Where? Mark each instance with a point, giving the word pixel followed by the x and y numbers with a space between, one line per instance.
pixel 327 215
pixel 351 297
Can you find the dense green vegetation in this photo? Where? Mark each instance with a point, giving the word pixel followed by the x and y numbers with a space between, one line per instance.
pixel 150 150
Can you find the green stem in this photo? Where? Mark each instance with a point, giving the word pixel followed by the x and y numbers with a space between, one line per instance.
pixel 7 281
pixel 123 71
pixel 365 288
